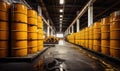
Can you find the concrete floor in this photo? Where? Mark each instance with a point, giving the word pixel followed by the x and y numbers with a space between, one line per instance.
pixel 75 58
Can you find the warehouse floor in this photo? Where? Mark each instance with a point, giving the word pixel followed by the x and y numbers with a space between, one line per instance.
pixel 73 59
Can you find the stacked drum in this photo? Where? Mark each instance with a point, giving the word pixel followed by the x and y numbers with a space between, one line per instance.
pixel 32 31
pixel 91 37
pixel 86 38
pixel 40 33
pixel 115 34
pixel 18 30
pixel 4 27
pixel 97 37
pixel 105 36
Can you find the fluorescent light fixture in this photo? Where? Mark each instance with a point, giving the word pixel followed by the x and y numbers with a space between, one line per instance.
pixel 61 1
pixel 61 10
pixel 60 25
pixel 61 15
pixel 61 19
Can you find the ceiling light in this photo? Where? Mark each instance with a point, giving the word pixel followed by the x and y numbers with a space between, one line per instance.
pixel 61 1
pixel 61 15
pixel 61 10
pixel 60 19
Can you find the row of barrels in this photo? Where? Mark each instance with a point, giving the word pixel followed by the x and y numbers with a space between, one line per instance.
pixel 21 30
pixel 103 36
pixel 51 39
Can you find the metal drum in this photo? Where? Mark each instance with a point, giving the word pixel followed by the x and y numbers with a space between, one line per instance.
pixel 115 48
pixel 105 28
pixel 97 30
pixel 32 46
pixel 3 48
pixel 105 47
pixel 40 45
pixel 40 23
pixel 4 27
pixel 19 30
pixel 19 13
pixel 91 44
pixel 97 45
pixel 115 34
pixel 19 48
pixel 32 31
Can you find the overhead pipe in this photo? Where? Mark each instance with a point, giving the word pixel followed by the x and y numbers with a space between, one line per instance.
pixel 81 13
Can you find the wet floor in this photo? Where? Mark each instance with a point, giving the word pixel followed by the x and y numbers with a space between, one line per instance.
pixel 77 59
pixel 74 59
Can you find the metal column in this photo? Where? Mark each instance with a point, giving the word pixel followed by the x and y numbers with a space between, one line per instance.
pixel 73 29
pixel 69 31
pixel 90 14
pixel 78 25
pixel 48 30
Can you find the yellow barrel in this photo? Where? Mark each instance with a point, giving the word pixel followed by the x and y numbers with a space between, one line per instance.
pixel 32 31
pixel 105 28
pixel 115 34
pixel 4 10
pixel 115 30
pixel 86 43
pixel 40 45
pixel 19 13
pixel 32 35
pixel 32 28
pixel 32 17
pixel 91 44
pixel 19 30
pixel 3 48
pixel 86 37
pixel 97 30
pixel 105 47
pixel 115 48
pixel 97 45
pixel 4 33
pixel 91 32
pixel 19 48
pixel 115 16
pixel 40 23
pixel 32 48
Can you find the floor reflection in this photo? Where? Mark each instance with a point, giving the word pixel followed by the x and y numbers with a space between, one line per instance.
pixel 39 65
pixel 61 42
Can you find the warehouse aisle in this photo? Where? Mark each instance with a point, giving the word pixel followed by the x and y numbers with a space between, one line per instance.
pixel 76 59
pixel 72 57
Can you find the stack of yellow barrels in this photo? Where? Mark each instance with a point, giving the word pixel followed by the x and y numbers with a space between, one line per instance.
pixel 32 31
pixel 83 37
pixel 4 27
pixel 105 36
pixel 86 38
pixel 77 38
pixel 18 30
pixel 115 34
pixel 40 33
pixel 97 37
pixel 91 37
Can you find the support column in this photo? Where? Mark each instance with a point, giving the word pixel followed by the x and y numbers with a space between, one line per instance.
pixel 69 30
pixel 51 32
pixel 90 14
pixel 73 29
pixel 78 25
pixel 48 30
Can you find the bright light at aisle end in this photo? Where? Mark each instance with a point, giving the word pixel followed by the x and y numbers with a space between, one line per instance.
pixel 61 15
pixel 59 35
pixel 61 1
pixel 61 10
